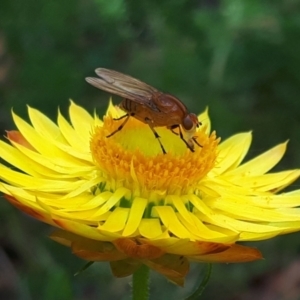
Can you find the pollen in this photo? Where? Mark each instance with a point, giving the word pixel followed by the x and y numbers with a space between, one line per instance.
pixel 132 157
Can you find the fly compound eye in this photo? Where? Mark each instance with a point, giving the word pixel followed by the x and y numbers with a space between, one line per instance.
pixel 187 123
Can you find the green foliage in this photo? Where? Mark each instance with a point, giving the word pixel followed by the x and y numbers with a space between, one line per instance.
pixel 239 57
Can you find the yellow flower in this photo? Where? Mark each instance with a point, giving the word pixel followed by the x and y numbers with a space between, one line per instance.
pixel 120 199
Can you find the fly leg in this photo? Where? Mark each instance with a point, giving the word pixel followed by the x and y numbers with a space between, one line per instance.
pixel 172 129
pixel 148 121
pixel 127 116
pixel 158 138
pixel 195 140
pixel 181 136
pixel 124 116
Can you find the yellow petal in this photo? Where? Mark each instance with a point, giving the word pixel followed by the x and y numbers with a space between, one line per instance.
pixel 150 228
pixel 82 122
pixel 42 145
pixel 84 230
pixel 14 157
pixel 205 120
pixel 236 208
pixel 231 152
pixel 113 200
pixel 262 163
pixel 266 182
pixel 116 220
pixel 50 163
pixel 44 126
pixel 171 222
pixel 71 135
pixel 135 216
pixel 291 199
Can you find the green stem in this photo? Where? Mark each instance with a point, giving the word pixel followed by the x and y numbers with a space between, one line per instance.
pixel 87 265
pixel 198 292
pixel 140 284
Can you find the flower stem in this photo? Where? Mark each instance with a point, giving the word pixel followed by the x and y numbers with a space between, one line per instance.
pixel 198 292
pixel 140 284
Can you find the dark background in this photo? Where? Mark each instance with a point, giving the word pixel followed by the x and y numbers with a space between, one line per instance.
pixel 239 57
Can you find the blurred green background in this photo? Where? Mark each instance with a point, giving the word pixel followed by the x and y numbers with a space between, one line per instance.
pixel 239 57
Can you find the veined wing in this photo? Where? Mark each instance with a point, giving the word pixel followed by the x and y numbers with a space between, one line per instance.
pixel 123 85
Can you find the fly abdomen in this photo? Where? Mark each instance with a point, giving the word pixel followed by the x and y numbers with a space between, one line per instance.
pixel 129 106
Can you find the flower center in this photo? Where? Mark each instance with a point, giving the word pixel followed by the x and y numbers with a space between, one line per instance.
pixel 133 158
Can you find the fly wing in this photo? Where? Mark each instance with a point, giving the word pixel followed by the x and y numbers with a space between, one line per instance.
pixel 123 85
